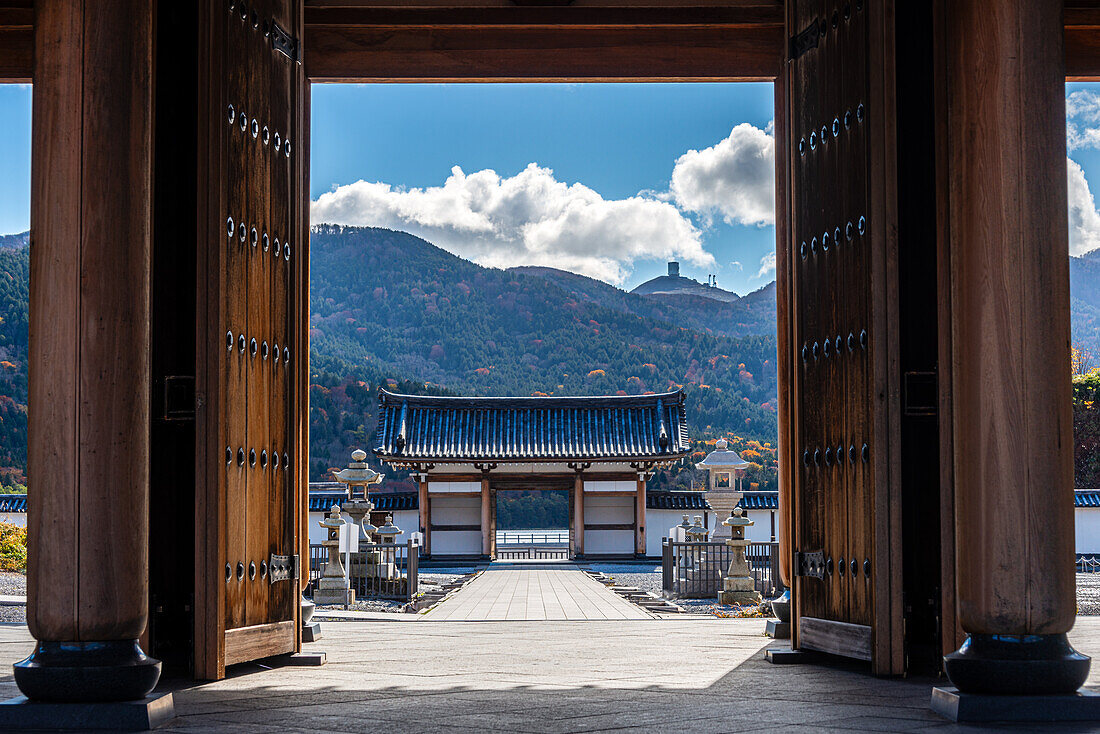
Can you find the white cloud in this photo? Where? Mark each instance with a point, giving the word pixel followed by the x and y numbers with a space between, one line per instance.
pixel 767 265
pixel 1084 220
pixel 1082 118
pixel 734 178
pixel 738 265
pixel 527 219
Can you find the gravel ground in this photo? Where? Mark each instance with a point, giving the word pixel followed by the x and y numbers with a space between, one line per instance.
pixel 14 584
pixel 427 581
pixel 648 578
pixel 1088 593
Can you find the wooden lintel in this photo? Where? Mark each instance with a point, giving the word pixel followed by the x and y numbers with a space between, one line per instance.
pixel 609 526
pixel 16 41
pixel 395 53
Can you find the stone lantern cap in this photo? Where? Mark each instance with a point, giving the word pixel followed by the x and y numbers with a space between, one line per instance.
pixel 737 519
pixel 333 520
pixel 358 472
pixel 388 532
pixel 723 458
pixel 697 530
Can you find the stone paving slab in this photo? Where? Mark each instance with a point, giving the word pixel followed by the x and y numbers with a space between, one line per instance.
pixel 551 677
pixel 534 592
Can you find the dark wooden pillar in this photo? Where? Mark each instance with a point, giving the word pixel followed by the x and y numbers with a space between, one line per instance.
pixel 424 505
pixel 578 515
pixel 783 305
pixel 487 529
pixel 1010 331
pixel 88 444
pixel 639 517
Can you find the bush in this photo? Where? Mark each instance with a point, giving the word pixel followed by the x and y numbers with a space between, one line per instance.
pixel 13 547
pixel 1086 430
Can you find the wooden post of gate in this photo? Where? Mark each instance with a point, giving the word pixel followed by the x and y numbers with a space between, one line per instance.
pixel 486 522
pixel 639 517
pixel 1010 329
pixel 88 442
pixel 578 514
pixel 425 514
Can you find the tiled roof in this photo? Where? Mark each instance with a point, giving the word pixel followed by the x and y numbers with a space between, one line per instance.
pixel 429 429
pixel 1086 498
pixel 13 503
pixel 760 501
pixel 666 500
pixel 322 501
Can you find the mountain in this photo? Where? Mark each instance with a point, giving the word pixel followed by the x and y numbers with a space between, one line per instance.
pixel 395 305
pixel 15 241
pixel 751 314
pixel 14 298
pixel 1084 288
pixel 675 284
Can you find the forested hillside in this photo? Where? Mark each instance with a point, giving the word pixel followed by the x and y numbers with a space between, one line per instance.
pixel 14 295
pixel 388 304
pixel 391 309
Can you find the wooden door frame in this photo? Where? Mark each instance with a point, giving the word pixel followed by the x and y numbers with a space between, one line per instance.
pixel 590 40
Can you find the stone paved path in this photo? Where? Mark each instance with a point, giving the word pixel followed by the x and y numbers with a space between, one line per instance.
pixel 534 591
pixel 683 675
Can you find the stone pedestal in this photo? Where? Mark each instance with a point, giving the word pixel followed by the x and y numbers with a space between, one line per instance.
pixel 722 500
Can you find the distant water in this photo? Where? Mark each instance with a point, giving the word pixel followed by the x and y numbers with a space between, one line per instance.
pixel 538 536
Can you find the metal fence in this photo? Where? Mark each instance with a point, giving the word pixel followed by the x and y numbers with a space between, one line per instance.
pixel 386 571
pixel 531 553
pixel 696 570
pixel 1088 563
pixel 533 537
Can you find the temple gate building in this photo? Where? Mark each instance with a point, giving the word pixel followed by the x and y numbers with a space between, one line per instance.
pixel 465 450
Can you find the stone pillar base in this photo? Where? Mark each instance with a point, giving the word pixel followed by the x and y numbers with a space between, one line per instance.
pixel 739 590
pixel 20 713
pixel 951 704
pixel 1017 665
pixel 739 598
pixel 77 672
pixel 334 596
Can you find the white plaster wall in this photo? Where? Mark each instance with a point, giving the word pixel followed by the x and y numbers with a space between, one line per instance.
pixel 616 486
pixel 599 510
pixel 456 511
pixel 1087 529
pixel 759 532
pixel 444 487
pixel 407 520
pixel 657 525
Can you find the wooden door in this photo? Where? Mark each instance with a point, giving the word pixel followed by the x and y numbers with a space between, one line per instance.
pixel 252 276
pixel 842 254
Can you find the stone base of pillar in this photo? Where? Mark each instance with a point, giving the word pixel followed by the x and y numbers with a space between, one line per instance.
pixel 311 631
pixel 739 591
pixel 951 704
pixel 334 596
pixel 1029 665
pixel 80 672
pixel 21 713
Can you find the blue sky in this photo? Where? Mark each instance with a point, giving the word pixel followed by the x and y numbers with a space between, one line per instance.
pixel 596 178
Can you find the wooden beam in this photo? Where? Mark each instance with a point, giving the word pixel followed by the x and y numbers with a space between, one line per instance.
pixel 551 52
pixel 1081 23
pixel 16 40
pixel 423 504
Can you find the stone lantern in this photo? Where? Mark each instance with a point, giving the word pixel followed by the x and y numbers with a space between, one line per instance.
pixel 386 568
pixel 738 587
pixel 723 483
pixel 333 587
pixel 357 478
